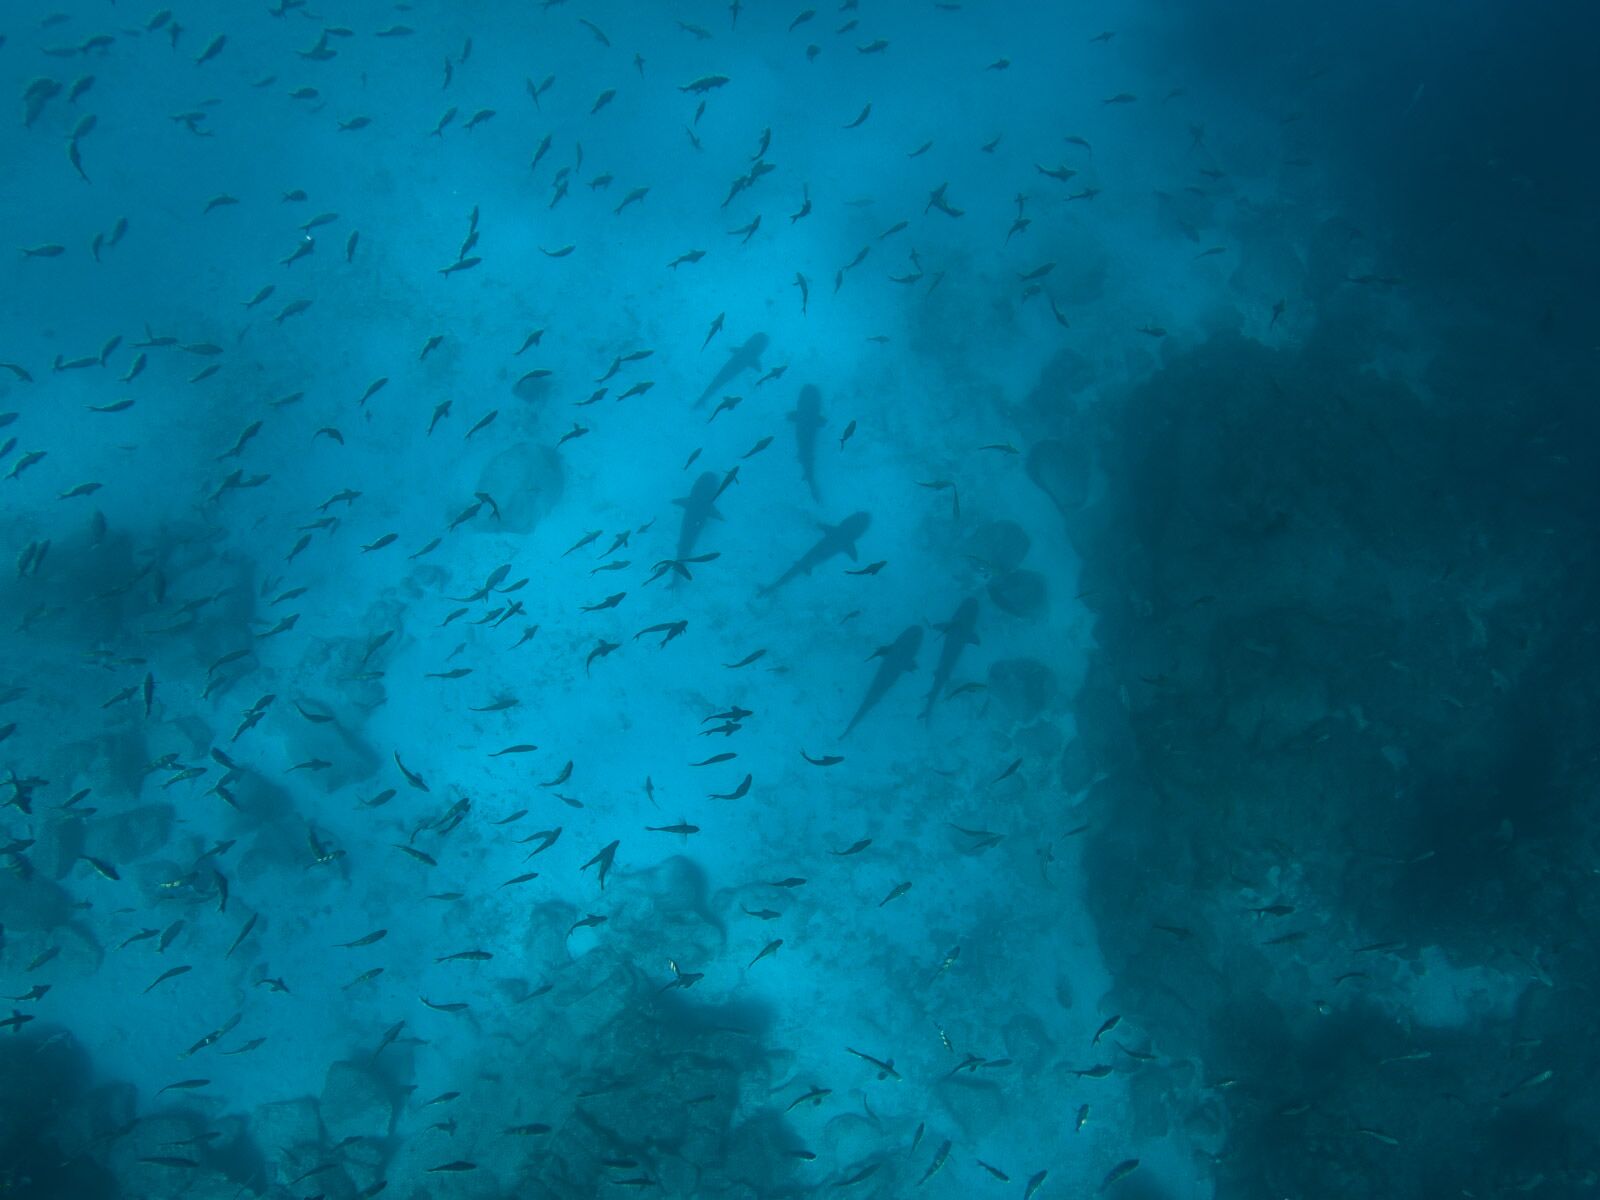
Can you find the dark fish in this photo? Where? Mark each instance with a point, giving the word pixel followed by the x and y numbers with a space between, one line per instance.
pixel 746 358
pixel 836 539
pixel 1119 1172
pixel 898 658
pixel 738 793
pixel 243 933
pixel 605 858
pixel 808 419
pixel 172 974
pixel 466 956
pixel 699 508
pixel 959 633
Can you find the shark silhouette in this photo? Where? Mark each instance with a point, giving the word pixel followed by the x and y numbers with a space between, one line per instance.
pixel 898 657
pixel 960 631
pixel 699 508
pixel 746 358
pixel 808 419
pixel 836 539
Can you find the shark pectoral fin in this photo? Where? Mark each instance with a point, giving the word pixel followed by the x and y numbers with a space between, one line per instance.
pixel 682 502
pixel 851 551
pixel 714 515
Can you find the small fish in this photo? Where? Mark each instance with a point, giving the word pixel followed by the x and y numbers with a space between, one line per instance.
pixel 767 951
pixel 185 1085
pixel 940 1157
pixel 900 889
pixel 604 859
pixel 1119 1172
pixel 243 933
pixel 738 793
pixel 166 975
pixel 885 1068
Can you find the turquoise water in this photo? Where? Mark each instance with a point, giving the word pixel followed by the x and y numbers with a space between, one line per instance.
pixel 891 600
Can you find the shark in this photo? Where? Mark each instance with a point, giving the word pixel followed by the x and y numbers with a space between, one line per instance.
pixel 746 358
pixel 896 659
pixel 699 508
pixel 835 540
pixel 808 419
pixel 960 631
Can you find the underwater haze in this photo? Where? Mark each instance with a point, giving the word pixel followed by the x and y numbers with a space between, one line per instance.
pixel 742 601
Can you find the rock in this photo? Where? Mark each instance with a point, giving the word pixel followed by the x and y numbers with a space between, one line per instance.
pixel 128 836
pixel 33 904
pixel 526 481
pixel 279 1127
pixel 1077 769
pixel 61 843
pixel 1026 1040
pixel 1084 282
pixel 1021 687
pixel 355 1102
pixel 1061 471
pixel 1002 545
pixel 1020 593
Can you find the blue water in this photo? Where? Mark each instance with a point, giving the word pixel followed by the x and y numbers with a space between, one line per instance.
pixel 892 600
